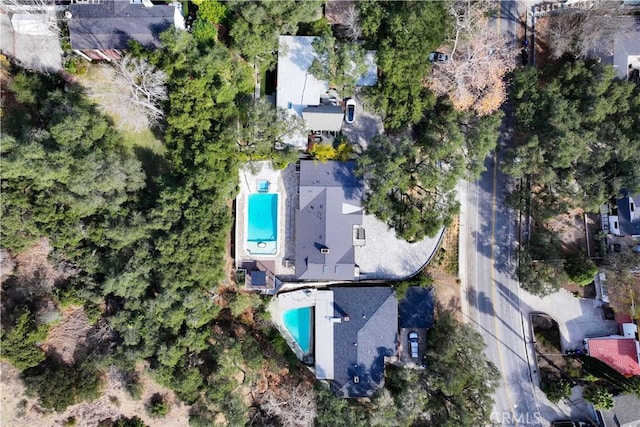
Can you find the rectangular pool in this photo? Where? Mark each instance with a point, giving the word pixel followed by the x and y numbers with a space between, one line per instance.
pixel 262 224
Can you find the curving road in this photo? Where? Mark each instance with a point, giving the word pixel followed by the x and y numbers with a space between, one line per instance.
pixel 488 242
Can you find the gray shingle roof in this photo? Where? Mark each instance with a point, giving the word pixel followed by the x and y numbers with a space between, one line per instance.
pixel 330 204
pixel 323 118
pixel 625 413
pixel 362 342
pixel 629 225
pixel 111 24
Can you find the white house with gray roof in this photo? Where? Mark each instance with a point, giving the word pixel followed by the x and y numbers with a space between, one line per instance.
pixel 302 94
pixel 330 211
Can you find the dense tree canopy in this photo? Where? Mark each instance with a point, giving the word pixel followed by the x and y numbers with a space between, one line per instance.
pixel 152 246
pixel 411 183
pixel 339 63
pixel 403 33
pixel 454 390
pixel 578 143
pixel 256 25
pixel 146 233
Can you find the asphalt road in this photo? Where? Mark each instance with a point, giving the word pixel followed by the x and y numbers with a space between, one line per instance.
pixel 488 260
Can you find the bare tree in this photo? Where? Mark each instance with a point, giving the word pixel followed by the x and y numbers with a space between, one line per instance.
pixel 293 405
pixel 131 89
pixel 478 60
pixel 350 26
pixel 588 30
pixel 43 9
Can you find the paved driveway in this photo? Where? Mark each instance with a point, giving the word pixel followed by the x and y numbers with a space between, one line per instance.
pixel 41 53
pixel 366 126
pixel 577 318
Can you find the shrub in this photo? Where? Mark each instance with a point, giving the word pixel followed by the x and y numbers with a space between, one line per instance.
pixel 58 385
pixel 211 10
pixel 20 345
pixel 158 407
pixel 75 65
pixel 203 31
pixel 556 389
pixel 129 422
pixel 580 269
pixel 600 397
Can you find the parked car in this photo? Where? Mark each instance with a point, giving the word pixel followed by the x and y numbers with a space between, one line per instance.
pixel 438 57
pixel 413 343
pixel 350 114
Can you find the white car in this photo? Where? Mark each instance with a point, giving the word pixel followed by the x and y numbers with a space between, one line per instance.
pixel 350 113
pixel 413 343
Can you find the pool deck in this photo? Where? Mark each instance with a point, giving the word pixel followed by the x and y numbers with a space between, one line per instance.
pixel 284 183
pixel 323 321
pixel 383 257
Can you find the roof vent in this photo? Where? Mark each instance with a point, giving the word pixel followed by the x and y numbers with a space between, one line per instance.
pixel 324 250
pixel 356 379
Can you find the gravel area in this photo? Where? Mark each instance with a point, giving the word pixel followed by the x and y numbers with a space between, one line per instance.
pixel 384 256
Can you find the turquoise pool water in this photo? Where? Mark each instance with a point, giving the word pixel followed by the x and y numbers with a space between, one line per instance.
pixel 262 233
pixel 298 323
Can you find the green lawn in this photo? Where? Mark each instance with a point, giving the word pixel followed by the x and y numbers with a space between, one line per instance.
pixel 143 139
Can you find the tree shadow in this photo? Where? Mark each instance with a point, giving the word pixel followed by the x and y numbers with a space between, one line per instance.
pixel 155 166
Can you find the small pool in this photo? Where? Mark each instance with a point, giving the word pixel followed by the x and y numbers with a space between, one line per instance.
pixel 262 230
pixel 298 323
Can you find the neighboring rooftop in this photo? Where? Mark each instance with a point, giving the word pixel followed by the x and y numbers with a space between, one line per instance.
pixel 416 308
pixel 363 341
pixel 329 208
pixel 626 55
pixel 297 89
pixel 323 118
pixel 629 214
pixel 112 23
pixel 625 412
pixel 621 354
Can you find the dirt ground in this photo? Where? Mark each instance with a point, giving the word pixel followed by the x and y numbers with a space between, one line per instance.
pixel 34 262
pixel 21 410
pixel 542 56
pixel 571 229
pixel 68 336
pixel 32 270
pixel 444 269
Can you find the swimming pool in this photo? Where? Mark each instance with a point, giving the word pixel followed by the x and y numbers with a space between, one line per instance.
pixel 262 230
pixel 298 323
